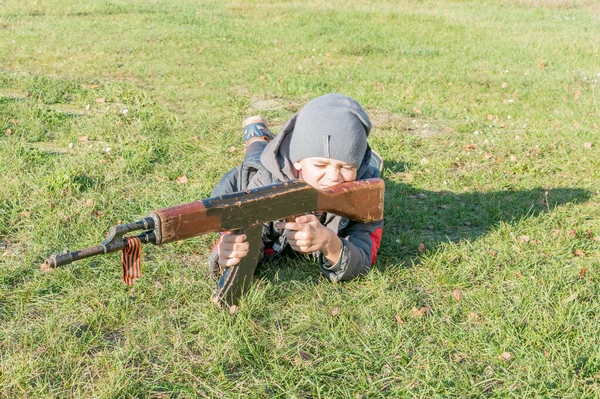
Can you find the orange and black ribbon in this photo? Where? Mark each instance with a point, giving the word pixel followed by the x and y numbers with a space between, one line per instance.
pixel 131 259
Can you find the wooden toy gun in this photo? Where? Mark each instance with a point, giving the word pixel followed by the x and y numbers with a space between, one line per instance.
pixel 244 211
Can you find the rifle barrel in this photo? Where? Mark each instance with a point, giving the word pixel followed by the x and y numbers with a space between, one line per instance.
pixel 70 257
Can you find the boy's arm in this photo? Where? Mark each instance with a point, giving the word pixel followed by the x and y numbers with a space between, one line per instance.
pixel 360 243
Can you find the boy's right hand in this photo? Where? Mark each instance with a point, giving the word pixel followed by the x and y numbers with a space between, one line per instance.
pixel 231 249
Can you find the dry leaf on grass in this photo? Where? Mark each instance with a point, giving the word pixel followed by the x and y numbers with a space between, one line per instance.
pixel 505 356
pixel 399 320
pixel 572 233
pixel 335 311
pixel 421 247
pixel 182 179
pixel 578 252
pixel 582 272
pixel 9 131
pixel 457 295
pixel 100 100
pixel 473 317
pixel 422 311
pixel 587 145
pixel 233 309
pixel 524 238
pixel 570 298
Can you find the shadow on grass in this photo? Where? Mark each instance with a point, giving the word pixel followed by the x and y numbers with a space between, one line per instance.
pixel 415 216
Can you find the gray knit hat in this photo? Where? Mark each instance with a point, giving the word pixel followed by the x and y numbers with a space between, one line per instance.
pixel 331 126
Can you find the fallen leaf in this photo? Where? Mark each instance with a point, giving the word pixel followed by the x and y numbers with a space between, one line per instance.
pixel 9 131
pixel 182 179
pixel 458 295
pixel 587 145
pixel 89 203
pixel 487 155
pixel 232 149
pixel 233 310
pixel 424 161
pixel 419 312
pixel 578 252
pixel 407 177
pixel 473 317
pixel 5 254
pixel 524 238
pixel 100 100
pixel 418 111
pixel 582 272
pixel 502 125
pixel 505 356
pixel 305 355
pixel 469 147
pixel 15 121
pixel 518 274
pixel 456 358
pixel 97 214
pixel 504 85
pixel 335 311
pixel 572 233
pixel 158 285
pixel 570 298
pixel 355 324
pixel 492 253
pixel 102 161
pixel 399 320
pixel 536 242
pixel 379 86
pixel 597 238
pixel 421 247
pixel 546 354
pixel 513 158
pixel 541 64
pixel 491 117
pixel 83 139
pixel 26 214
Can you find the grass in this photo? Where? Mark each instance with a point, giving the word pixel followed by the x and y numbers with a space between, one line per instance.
pixel 486 114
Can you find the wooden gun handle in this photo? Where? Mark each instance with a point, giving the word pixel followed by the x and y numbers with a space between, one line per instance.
pixel 236 280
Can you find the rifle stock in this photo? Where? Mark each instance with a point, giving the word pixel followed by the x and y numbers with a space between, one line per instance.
pixel 360 200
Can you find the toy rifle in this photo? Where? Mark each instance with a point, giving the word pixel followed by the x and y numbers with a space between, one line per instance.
pixel 245 211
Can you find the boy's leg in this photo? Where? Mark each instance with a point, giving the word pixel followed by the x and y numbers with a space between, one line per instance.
pixel 256 135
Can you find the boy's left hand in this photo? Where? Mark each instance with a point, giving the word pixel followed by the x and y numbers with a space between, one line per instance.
pixel 306 234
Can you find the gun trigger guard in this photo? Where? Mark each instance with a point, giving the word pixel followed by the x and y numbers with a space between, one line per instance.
pixel 113 237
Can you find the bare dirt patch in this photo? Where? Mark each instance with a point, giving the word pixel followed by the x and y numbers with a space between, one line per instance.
pixel 422 127
pixel 13 94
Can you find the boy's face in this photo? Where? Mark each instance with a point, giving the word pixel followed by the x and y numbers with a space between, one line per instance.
pixel 324 172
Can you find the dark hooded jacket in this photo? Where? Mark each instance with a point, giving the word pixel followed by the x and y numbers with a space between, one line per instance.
pixel 360 241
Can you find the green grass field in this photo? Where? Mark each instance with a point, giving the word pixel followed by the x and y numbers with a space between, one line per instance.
pixel 487 114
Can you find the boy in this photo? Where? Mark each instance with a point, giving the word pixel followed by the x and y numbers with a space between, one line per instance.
pixel 324 144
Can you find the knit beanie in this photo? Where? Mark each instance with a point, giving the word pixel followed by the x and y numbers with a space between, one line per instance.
pixel 331 126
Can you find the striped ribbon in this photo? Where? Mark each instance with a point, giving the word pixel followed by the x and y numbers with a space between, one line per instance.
pixel 131 259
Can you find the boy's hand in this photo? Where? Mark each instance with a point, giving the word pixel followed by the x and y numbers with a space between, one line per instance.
pixel 307 235
pixel 231 249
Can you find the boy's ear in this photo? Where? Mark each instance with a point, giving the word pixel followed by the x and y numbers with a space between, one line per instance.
pixel 298 166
